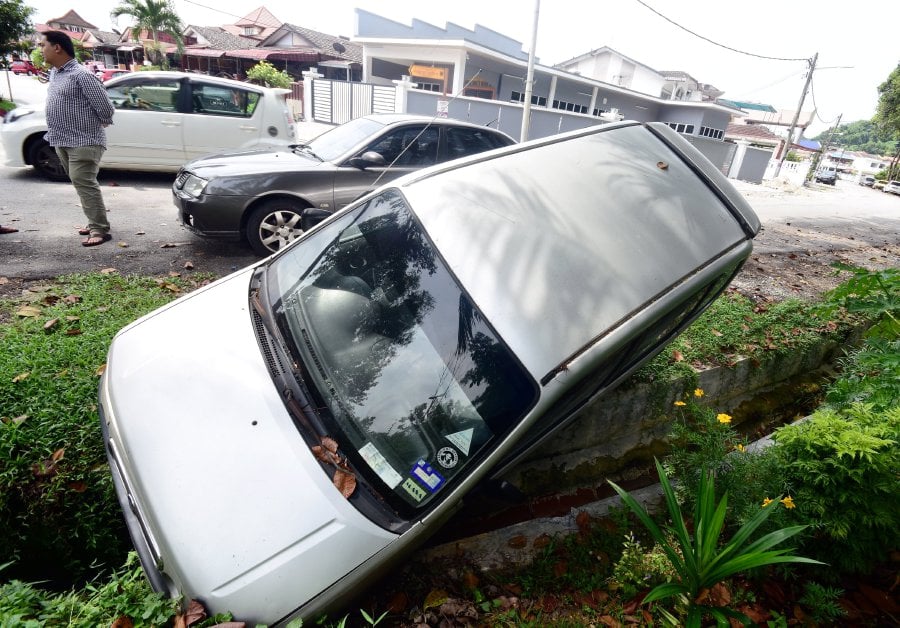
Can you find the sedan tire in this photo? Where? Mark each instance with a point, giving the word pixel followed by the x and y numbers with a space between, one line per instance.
pixel 45 160
pixel 275 224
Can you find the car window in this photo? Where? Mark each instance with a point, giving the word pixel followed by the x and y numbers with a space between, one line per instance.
pixel 414 381
pixel 147 94
pixel 410 146
pixel 223 101
pixel 463 142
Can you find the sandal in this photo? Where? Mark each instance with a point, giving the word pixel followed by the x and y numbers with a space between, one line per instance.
pixel 8 230
pixel 84 231
pixel 97 240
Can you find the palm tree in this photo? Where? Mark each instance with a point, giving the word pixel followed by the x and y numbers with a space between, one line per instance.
pixel 155 16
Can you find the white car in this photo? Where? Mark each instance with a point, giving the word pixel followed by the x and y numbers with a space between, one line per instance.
pixel 327 409
pixel 892 187
pixel 162 120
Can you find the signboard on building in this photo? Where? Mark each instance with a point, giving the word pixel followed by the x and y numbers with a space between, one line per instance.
pixel 443 108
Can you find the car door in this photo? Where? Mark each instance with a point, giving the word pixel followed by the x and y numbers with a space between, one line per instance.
pixel 404 150
pixel 147 126
pixel 464 141
pixel 221 117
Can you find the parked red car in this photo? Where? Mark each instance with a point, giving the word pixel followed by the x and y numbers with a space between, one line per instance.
pixel 23 67
pixel 109 73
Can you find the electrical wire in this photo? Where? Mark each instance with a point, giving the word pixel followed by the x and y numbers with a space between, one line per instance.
pixel 715 43
pixel 812 95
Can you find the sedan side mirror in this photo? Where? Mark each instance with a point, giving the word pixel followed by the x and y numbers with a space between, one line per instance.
pixel 367 159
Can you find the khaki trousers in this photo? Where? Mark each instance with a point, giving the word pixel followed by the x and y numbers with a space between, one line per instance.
pixel 82 164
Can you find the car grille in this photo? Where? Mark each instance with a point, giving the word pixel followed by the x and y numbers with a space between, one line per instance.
pixel 181 178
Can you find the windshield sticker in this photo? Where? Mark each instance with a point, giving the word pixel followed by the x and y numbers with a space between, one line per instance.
pixel 462 440
pixel 427 476
pixel 447 457
pixel 380 465
pixel 415 491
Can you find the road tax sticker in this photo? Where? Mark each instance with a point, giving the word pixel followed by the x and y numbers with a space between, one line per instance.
pixel 462 440
pixel 425 474
pixel 415 491
pixel 380 465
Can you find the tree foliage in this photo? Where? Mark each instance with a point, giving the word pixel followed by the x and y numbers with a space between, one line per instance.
pixel 862 135
pixel 15 25
pixel 155 17
pixel 888 114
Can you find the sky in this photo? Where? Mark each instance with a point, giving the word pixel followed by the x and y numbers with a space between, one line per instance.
pixel 855 53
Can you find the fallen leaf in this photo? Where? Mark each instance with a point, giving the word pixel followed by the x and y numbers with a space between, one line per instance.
pixel 123 245
pixel 122 621
pixel 716 333
pixel 78 487
pixel 72 319
pixel 188 265
pixel 434 599
pixel 518 541
pixel 542 541
pixel 28 311
pixel 72 298
pixel 174 273
pixel 677 356
pixel 4 281
pixel 58 454
pixel 195 612
pixel 345 482
pixel 168 245
pixel 108 271
pixel 100 370
pixel 49 325
pixel 20 419
pixel 21 377
pixel 73 332
pixel 398 603
pixel 470 579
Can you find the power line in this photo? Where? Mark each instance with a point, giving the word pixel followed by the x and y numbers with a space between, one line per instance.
pixel 715 43
pixel 812 95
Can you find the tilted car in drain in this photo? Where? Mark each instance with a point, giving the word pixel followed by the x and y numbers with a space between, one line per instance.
pixel 281 437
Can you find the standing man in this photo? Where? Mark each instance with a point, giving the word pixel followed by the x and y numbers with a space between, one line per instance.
pixel 78 110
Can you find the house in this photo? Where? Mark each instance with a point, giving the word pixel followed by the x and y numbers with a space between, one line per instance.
pixel 71 23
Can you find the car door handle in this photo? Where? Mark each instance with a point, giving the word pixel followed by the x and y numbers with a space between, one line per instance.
pixel 170 123
pixel 245 127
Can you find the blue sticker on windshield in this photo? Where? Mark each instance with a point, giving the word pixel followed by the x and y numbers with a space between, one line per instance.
pixel 425 474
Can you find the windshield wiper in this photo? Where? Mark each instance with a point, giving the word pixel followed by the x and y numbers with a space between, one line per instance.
pixel 306 149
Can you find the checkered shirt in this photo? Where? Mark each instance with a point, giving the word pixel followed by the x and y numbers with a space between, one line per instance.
pixel 77 108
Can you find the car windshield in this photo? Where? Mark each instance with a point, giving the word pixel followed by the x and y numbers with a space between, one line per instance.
pixel 413 380
pixel 334 143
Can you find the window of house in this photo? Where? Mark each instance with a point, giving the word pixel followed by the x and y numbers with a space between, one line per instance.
pixel 429 87
pixel 569 106
pixel 682 127
pixel 535 100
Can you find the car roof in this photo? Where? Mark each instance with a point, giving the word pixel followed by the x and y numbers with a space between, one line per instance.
pixel 163 74
pixel 562 239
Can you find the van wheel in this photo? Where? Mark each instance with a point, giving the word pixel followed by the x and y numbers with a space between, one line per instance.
pixel 45 160
pixel 275 224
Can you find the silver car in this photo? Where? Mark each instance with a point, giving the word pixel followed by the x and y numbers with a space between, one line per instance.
pixel 270 197
pixel 281 437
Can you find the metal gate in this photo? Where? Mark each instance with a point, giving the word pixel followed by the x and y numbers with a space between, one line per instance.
pixel 336 102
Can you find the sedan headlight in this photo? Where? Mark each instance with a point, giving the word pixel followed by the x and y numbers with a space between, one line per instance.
pixel 15 114
pixel 194 185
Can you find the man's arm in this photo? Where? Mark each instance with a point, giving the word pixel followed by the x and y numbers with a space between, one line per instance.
pixel 97 98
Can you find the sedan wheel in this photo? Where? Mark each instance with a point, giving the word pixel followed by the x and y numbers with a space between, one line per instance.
pixel 274 225
pixel 45 160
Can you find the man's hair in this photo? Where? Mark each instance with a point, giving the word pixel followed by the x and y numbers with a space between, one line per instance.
pixel 62 40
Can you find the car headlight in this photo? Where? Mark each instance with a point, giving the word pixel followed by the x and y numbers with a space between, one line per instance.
pixel 194 185
pixel 15 114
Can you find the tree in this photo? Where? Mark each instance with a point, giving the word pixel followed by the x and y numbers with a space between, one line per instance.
pixel 887 116
pixel 15 25
pixel 154 16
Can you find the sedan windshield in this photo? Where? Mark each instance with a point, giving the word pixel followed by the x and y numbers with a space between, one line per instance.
pixel 340 139
pixel 412 379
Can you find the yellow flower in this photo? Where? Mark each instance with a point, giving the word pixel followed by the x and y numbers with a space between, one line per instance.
pixel 740 448
pixel 698 392
pixel 788 502
pixel 723 418
pixel 766 502
pixel 680 403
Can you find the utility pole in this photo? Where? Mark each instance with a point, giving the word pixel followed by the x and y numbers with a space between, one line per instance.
pixel 529 78
pixel 787 147
pixel 822 149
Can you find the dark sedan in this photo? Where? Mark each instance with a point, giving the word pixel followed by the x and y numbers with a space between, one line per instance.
pixel 270 197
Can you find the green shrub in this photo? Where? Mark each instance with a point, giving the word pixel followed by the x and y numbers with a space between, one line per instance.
pixel 265 73
pixel 841 469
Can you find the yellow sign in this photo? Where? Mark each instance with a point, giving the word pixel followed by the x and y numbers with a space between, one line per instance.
pixel 425 71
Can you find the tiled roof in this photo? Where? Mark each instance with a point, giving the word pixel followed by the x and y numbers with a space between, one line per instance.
pixel 752 132
pixel 221 39
pixel 104 37
pixel 259 17
pixel 326 43
pixel 72 19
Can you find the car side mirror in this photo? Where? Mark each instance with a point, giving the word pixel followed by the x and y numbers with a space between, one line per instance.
pixel 367 159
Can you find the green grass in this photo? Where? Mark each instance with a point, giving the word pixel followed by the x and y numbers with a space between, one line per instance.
pixel 60 518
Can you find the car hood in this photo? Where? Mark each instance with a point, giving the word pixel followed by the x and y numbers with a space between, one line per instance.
pixel 242 514
pixel 252 161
